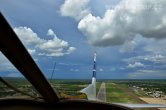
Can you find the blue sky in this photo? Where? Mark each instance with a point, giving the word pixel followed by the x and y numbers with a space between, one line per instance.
pixel 129 37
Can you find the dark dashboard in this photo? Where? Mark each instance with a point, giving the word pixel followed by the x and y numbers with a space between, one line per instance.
pixel 28 104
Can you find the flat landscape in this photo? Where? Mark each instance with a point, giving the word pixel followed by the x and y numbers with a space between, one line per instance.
pixel 117 91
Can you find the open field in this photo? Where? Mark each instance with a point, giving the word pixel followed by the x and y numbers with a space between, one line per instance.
pixel 71 87
pixel 18 83
pixel 122 91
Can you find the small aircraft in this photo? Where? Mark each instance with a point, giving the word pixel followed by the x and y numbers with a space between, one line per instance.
pixel 14 50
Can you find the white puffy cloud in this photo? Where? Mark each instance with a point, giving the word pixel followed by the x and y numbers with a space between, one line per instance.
pixel 136 65
pixel 75 8
pixel 102 32
pixel 31 51
pixel 70 50
pixel 35 44
pixel 122 23
pixel 51 33
pixel 53 47
pixel 27 36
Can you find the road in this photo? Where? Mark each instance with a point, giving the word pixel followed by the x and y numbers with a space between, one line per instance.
pixel 101 96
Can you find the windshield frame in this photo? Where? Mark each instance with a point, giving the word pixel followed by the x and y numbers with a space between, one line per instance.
pixel 22 60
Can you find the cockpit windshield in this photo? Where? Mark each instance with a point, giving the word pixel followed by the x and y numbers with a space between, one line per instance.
pixel 112 50
pixel 13 84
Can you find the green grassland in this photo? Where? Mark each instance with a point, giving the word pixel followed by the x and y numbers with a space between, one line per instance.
pixel 115 94
pixel 70 87
pixel 116 90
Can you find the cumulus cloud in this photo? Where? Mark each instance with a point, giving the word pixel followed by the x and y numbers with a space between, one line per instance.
pixel 70 50
pixel 121 24
pixel 35 44
pixel 51 33
pixel 75 8
pixel 27 36
pixel 136 65
pixel 31 51
pixel 100 32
